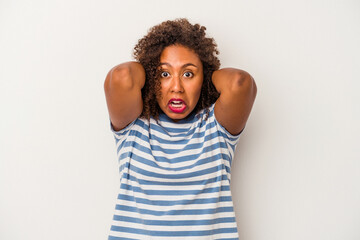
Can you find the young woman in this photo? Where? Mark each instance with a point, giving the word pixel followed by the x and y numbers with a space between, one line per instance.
pixel 176 118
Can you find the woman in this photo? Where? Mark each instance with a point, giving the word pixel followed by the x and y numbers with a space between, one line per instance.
pixel 176 119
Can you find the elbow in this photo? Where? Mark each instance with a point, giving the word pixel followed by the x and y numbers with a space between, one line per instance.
pixel 243 81
pixel 119 77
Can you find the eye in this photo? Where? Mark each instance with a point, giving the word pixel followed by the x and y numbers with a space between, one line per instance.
pixel 165 74
pixel 188 74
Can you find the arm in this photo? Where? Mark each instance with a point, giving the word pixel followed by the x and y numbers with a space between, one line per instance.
pixel 237 94
pixel 122 88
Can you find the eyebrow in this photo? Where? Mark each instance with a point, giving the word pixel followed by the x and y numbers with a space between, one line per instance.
pixel 183 66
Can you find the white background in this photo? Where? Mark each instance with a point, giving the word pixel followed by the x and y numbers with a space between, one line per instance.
pixel 296 174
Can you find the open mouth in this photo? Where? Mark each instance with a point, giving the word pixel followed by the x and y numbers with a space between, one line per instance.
pixel 177 105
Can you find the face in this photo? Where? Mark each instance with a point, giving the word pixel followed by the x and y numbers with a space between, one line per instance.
pixel 181 80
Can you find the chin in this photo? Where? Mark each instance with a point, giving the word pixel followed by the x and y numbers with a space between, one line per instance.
pixel 177 116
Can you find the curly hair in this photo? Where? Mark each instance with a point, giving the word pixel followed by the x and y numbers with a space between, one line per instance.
pixel 149 48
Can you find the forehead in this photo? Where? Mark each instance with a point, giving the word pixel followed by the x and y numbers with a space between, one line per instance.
pixel 177 55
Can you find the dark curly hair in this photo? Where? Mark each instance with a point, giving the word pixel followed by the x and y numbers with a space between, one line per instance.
pixel 149 48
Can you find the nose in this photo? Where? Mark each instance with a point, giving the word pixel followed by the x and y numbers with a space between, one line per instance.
pixel 177 85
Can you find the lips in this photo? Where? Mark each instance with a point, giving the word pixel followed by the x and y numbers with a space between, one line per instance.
pixel 177 105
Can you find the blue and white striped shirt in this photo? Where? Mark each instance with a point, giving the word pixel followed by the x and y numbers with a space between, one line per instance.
pixel 174 179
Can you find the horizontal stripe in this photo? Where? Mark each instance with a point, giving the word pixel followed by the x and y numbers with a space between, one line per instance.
pixel 175 223
pixel 179 176
pixel 174 197
pixel 176 227
pixel 178 183
pixel 176 202
pixel 174 212
pixel 175 187
pixel 175 192
pixel 121 238
pixel 134 172
pixel 167 217
pixel 114 235
pixel 173 233
pixel 155 198
pixel 163 208
pixel 167 205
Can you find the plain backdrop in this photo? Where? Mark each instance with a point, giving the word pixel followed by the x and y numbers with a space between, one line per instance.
pixel 296 173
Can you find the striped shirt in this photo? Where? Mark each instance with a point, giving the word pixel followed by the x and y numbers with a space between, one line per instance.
pixel 174 179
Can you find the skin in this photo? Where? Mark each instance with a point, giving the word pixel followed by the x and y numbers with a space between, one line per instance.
pixel 124 82
pixel 181 78
pixel 237 90
pixel 122 88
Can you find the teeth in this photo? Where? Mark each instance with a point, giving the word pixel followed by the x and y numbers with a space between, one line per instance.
pixel 177 104
pixel 173 104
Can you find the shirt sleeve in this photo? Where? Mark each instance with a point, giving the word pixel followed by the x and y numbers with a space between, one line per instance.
pixel 230 139
pixel 122 133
